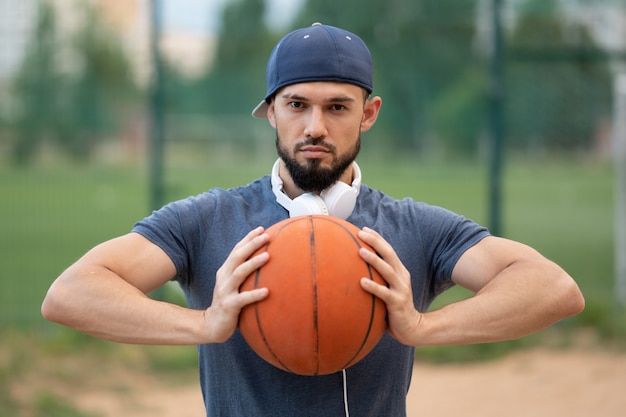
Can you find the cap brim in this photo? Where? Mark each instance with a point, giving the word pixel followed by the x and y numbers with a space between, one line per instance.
pixel 260 111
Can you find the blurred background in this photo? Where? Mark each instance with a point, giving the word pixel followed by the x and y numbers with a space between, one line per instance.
pixel 509 112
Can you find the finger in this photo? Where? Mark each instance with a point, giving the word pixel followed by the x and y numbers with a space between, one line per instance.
pixel 377 242
pixel 381 246
pixel 375 261
pixel 252 296
pixel 385 260
pixel 254 240
pixel 251 242
pixel 244 270
pixel 376 289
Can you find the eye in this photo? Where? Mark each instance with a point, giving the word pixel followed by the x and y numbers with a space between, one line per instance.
pixel 337 107
pixel 296 104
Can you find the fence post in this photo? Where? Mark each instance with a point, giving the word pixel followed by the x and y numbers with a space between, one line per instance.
pixel 156 117
pixel 619 154
pixel 496 103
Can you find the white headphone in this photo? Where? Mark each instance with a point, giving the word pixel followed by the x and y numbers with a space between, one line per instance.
pixel 337 200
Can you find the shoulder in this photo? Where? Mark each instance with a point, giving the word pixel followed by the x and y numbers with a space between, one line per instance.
pixel 416 224
pixel 216 197
pixel 378 205
pixel 248 205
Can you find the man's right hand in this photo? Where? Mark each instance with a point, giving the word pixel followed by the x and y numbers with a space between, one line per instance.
pixel 222 317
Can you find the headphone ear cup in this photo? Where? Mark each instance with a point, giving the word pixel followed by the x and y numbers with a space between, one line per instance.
pixel 307 204
pixel 340 199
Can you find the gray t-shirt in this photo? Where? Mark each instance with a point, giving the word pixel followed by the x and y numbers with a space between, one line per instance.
pixel 198 234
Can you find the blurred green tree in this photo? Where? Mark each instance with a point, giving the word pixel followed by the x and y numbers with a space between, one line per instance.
pixel 241 52
pixel 101 91
pixel 459 113
pixel 430 68
pixel 70 94
pixel 36 88
pixel 558 81
pixel 419 49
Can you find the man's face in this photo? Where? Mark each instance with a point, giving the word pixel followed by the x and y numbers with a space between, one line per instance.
pixel 311 176
pixel 318 127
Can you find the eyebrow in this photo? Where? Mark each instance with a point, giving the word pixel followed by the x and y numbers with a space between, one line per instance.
pixel 338 99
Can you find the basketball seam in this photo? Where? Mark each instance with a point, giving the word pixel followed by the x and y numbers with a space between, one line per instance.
pixel 373 309
pixel 315 297
pixel 260 326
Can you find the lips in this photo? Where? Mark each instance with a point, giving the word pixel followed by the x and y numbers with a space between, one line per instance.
pixel 311 151
pixel 311 148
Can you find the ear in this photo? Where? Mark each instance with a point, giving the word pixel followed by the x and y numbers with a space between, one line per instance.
pixel 370 113
pixel 271 116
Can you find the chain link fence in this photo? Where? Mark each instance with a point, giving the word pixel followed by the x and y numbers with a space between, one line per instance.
pixel 77 79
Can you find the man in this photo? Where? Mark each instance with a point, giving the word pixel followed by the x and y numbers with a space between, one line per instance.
pixel 319 81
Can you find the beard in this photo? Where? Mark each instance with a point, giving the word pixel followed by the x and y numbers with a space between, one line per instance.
pixel 310 176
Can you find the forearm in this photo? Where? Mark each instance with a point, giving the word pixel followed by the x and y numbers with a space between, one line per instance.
pixel 98 302
pixel 524 298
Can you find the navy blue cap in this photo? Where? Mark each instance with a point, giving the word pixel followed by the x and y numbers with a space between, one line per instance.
pixel 317 53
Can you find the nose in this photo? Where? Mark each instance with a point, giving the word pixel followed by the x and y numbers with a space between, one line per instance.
pixel 316 125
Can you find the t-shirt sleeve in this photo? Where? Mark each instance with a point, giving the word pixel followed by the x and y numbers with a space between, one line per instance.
pixel 451 235
pixel 174 229
pixel 438 239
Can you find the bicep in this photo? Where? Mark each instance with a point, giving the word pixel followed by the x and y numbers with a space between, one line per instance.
pixel 135 259
pixel 483 261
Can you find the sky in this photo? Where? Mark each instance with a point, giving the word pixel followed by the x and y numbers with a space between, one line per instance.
pixel 198 16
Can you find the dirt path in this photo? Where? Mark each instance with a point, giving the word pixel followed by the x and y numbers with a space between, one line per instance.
pixel 533 383
pixel 526 384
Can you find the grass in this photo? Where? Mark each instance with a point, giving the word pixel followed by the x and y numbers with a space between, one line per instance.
pixel 52 214
pixel 44 376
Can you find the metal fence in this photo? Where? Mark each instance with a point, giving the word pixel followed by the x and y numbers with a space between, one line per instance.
pixel 95 80
pixel 76 74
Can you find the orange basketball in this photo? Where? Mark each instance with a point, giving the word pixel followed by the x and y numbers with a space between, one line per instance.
pixel 316 319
